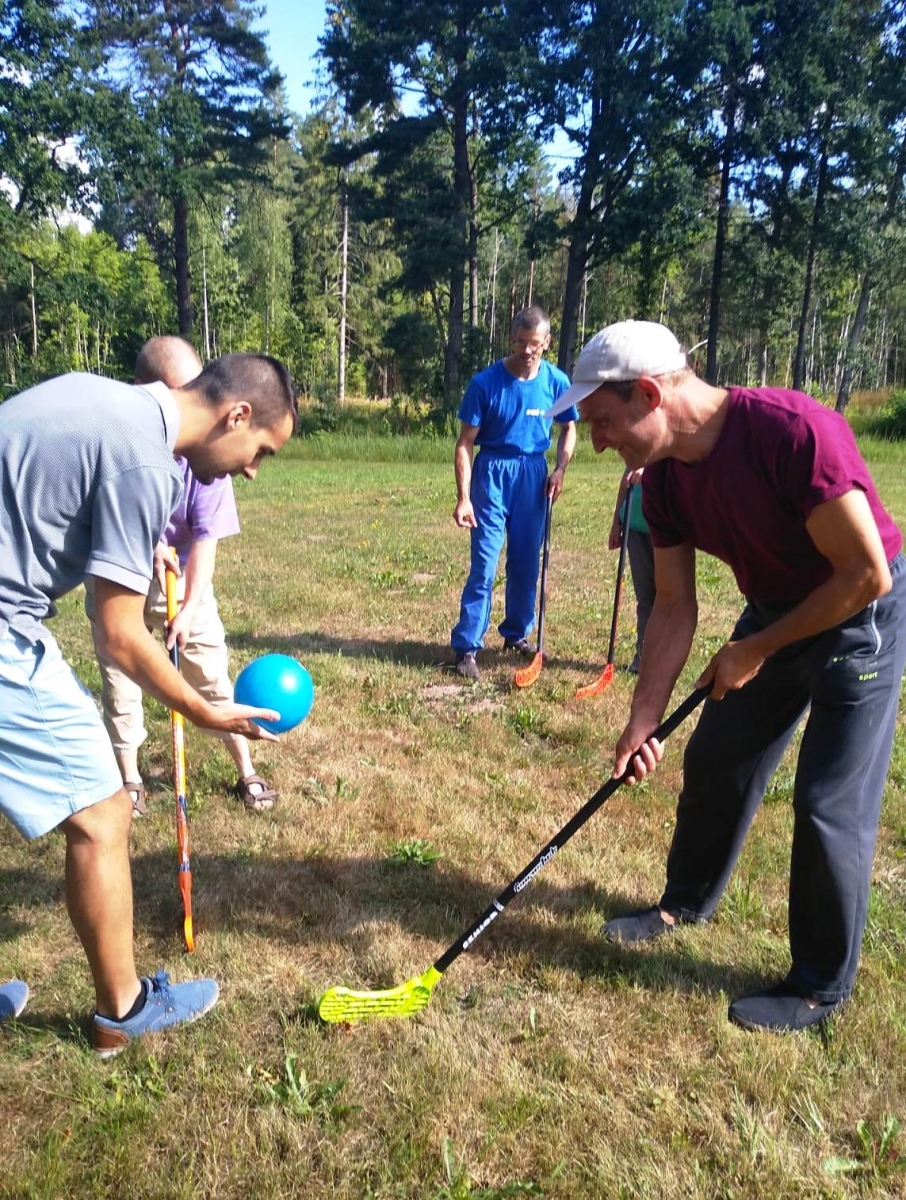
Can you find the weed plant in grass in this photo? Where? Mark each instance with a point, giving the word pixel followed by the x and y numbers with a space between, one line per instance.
pixel 547 1063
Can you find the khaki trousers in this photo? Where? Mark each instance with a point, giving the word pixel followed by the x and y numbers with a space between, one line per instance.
pixel 203 662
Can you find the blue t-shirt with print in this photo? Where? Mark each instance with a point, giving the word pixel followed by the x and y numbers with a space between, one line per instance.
pixel 509 412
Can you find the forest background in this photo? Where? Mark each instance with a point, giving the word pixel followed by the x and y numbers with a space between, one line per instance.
pixel 732 167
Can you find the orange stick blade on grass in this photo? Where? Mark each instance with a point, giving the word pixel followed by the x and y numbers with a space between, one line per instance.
pixel 601 684
pixel 526 676
pixel 604 680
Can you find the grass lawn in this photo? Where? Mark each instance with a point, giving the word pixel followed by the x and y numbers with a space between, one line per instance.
pixel 546 1064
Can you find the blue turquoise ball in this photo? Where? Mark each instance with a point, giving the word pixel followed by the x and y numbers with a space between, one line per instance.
pixel 278 682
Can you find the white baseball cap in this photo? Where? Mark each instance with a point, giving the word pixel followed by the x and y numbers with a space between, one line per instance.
pixel 618 353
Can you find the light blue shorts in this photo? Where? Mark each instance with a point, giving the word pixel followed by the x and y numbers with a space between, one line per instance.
pixel 55 756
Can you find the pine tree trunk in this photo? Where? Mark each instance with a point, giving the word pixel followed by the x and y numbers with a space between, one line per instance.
pixel 204 291
pixel 799 372
pixel 461 191
pixel 344 263
pixel 493 284
pixel 34 317
pixel 185 315
pixel 580 242
pixel 720 241
pixel 855 334
pixel 576 265
pixel 473 249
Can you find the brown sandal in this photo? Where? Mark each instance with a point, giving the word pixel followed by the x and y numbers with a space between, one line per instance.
pixel 136 793
pixel 256 793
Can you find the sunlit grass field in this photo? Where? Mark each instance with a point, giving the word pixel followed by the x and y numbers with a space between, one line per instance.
pixel 546 1064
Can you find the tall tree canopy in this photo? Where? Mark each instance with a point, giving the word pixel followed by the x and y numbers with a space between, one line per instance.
pixel 197 106
pixel 449 81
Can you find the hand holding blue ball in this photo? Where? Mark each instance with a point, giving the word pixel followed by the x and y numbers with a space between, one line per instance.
pixel 280 683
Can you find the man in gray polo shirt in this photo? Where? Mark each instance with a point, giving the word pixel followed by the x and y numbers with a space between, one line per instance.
pixel 87 483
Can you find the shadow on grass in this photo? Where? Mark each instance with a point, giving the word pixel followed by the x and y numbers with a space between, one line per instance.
pixel 50 1025
pixel 404 653
pixel 25 886
pixel 351 901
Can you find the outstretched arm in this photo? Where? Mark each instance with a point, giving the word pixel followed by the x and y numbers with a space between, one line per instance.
pixel 123 638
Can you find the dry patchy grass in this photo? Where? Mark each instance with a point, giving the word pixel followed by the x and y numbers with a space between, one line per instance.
pixel 546 1063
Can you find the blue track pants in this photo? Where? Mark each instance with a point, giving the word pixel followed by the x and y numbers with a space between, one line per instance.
pixel 850 677
pixel 509 499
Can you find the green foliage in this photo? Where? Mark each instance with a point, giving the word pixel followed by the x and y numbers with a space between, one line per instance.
pixel 201 111
pixel 94 304
pixel 527 720
pixel 414 850
pixel 877 1154
pixel 293 1091
pixel 47 63
pixel 889 421
pixel 148 1081
pixel 226 221
pixel 459 1185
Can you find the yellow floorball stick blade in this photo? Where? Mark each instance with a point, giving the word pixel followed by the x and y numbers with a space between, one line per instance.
pixel 339 1005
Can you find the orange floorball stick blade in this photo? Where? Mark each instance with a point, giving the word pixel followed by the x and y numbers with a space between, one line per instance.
pixel 601 684
pixel 185 887
pixel 527 675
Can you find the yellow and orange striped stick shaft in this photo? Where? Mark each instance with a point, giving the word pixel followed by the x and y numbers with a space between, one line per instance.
pixel 178 735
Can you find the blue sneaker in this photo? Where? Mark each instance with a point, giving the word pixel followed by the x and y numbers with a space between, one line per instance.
pixel 13 998
pixel 166 1004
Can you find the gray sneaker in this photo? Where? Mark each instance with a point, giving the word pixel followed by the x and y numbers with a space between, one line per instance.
pixel 639 926
pixel 521 646
pixel 466 666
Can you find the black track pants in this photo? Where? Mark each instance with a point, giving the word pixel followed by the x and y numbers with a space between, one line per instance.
pixel 850 677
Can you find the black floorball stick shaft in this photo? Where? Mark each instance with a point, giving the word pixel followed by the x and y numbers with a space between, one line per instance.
pixel 621 567
pixel 545 559
pixel 559 840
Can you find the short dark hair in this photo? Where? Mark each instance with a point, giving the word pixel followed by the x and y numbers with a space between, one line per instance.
pixel 622 387
pixel 530 318
pixel 261 380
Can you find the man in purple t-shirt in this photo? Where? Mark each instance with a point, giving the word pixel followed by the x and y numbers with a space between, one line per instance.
pixel 205 514
pixel 772 483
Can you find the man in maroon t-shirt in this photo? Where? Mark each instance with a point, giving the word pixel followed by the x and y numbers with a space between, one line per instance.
pixel 772 483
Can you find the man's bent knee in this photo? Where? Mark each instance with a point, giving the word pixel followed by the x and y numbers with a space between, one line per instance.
pixel 107 821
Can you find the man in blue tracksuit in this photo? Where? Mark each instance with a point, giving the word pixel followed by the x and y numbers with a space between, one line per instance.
pixel 504 494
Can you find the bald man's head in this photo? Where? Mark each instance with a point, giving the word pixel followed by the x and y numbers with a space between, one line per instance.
pixel 168 359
